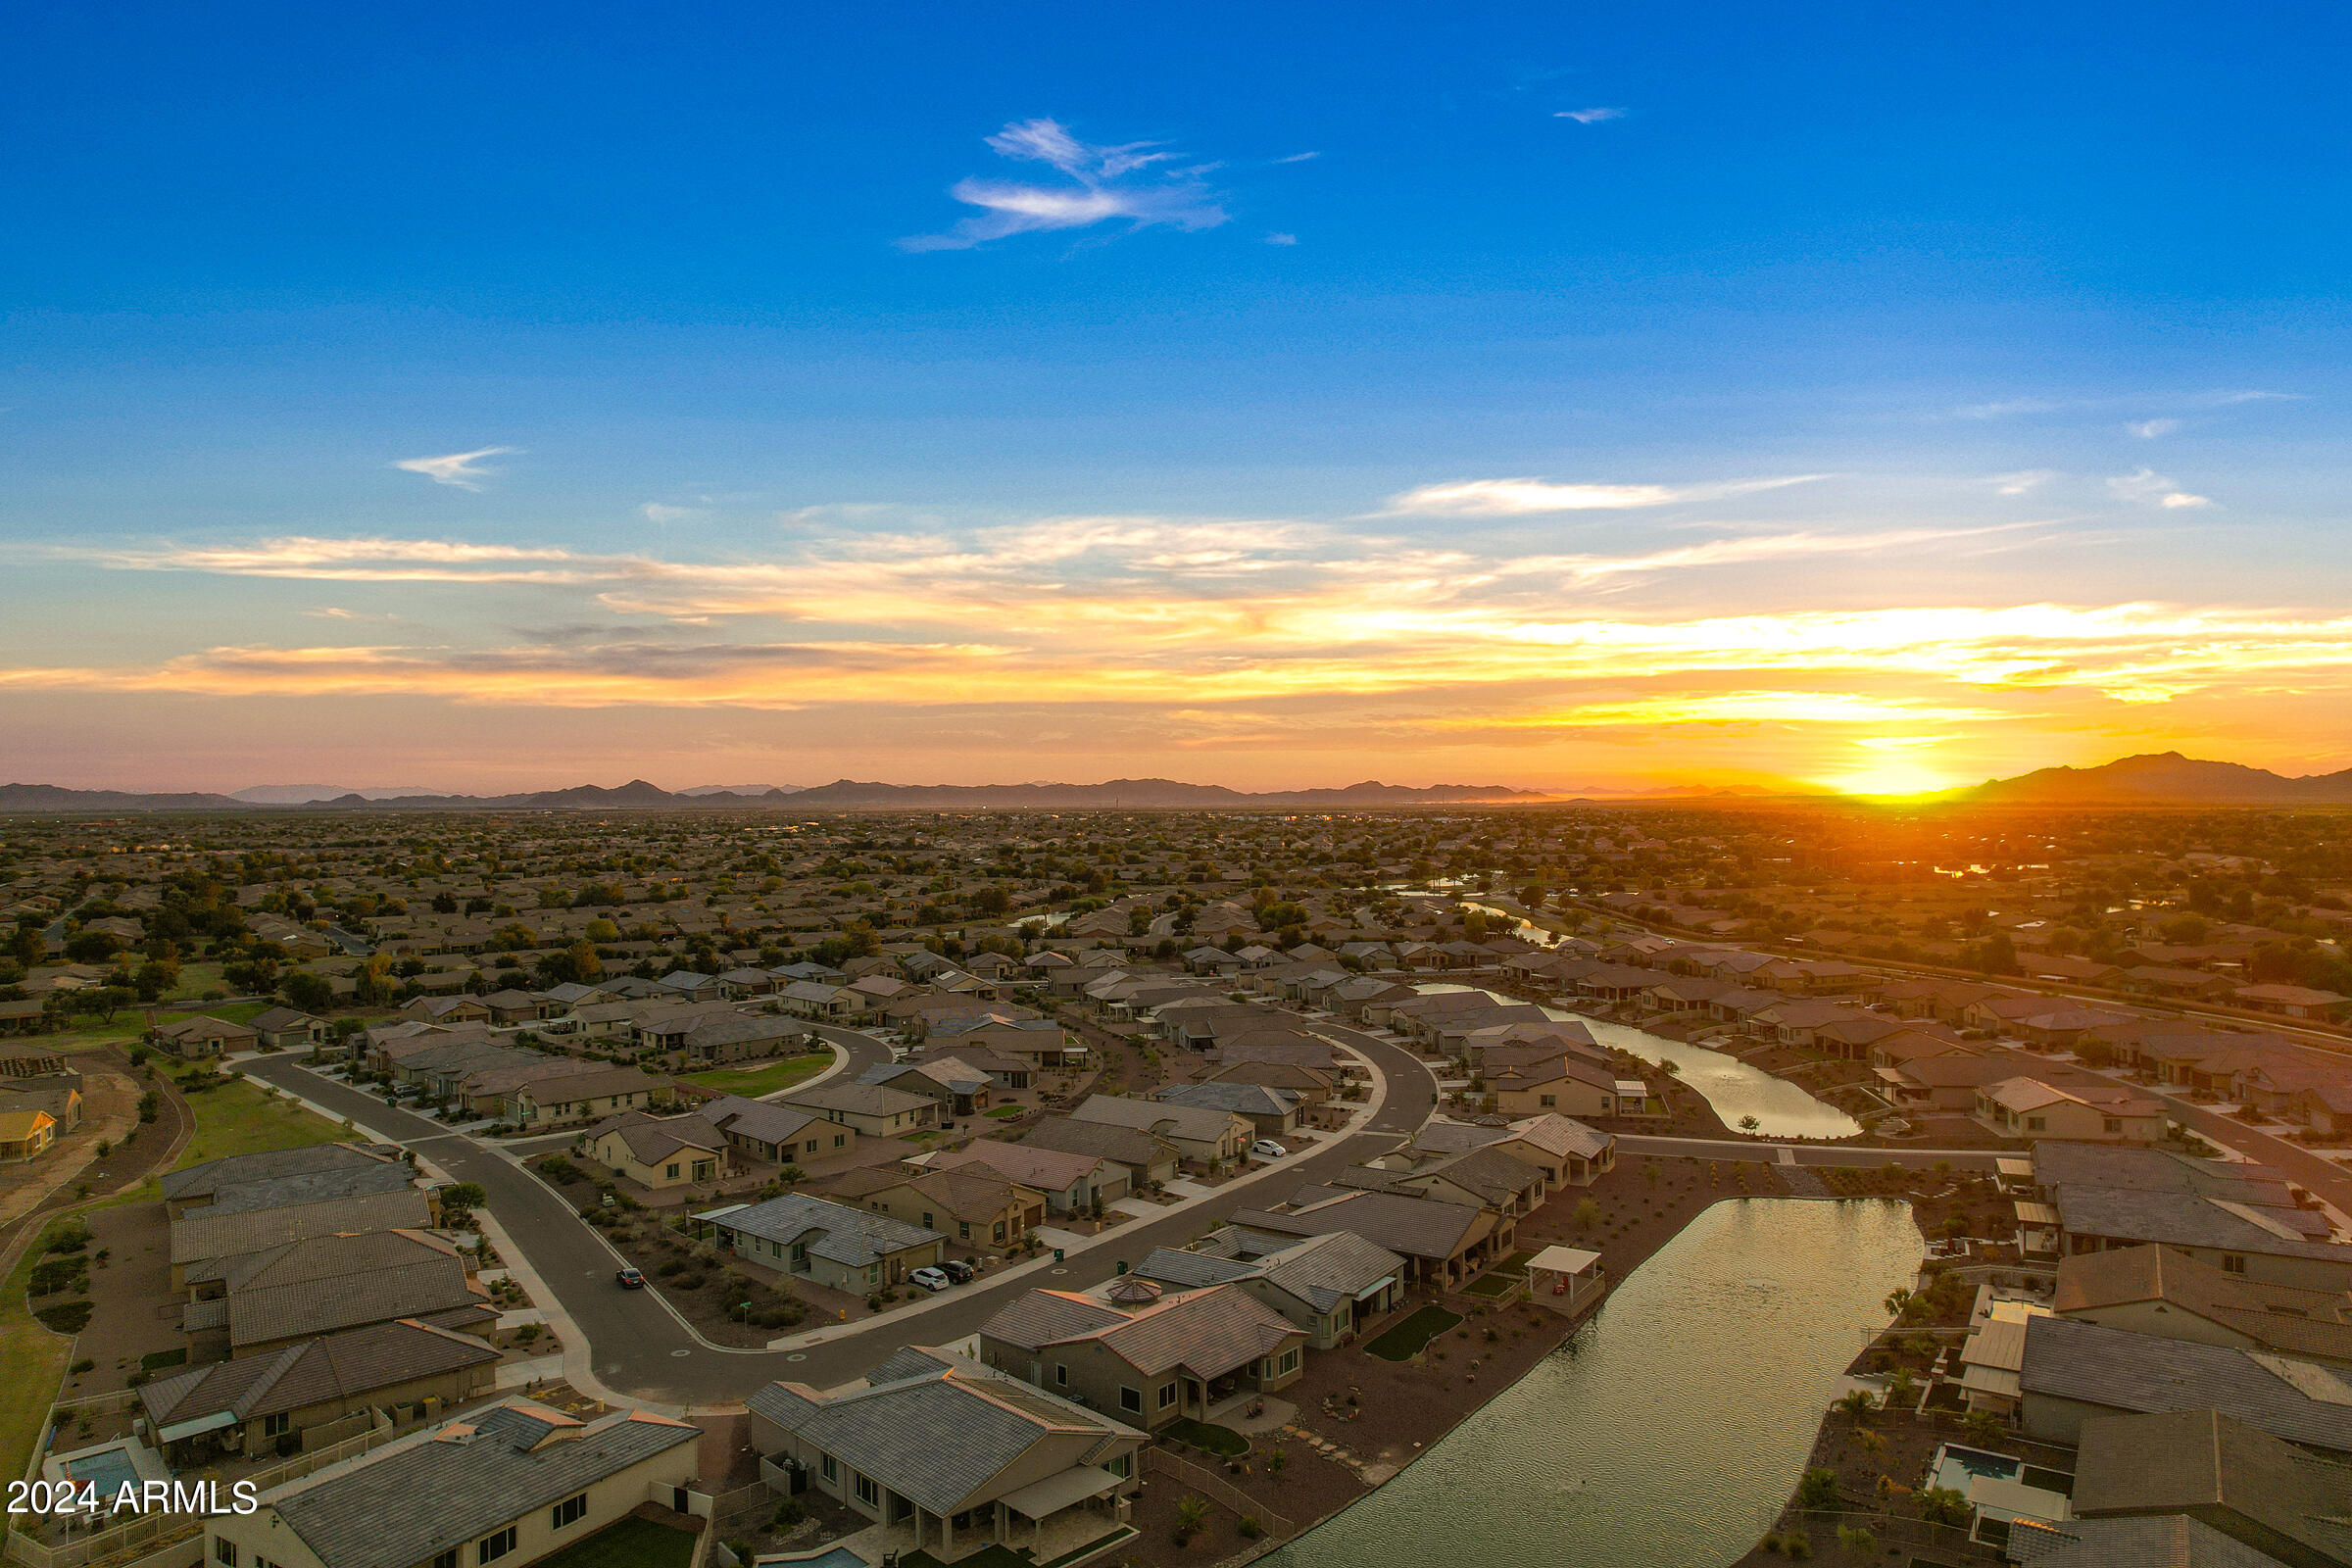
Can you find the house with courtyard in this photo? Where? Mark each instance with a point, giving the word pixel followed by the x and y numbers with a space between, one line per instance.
pixel 1071 1184
pixel 868 1108
pixel 765 1130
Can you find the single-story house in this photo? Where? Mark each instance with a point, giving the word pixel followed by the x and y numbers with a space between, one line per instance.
pixel 656 1152
pixel 1147 1358
pixel 868 1109
pixel 830 1244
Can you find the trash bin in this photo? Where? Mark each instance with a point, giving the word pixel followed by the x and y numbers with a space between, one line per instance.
pixel 1058 1255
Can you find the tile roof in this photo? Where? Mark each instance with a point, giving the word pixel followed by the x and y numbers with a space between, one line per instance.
pixel 2139 1372
pixel 215 1176
pixel 1210 1332
pixel 938 1428
pixel 335 1366
pixel 409 1501
pixel 851 1237
pixel 210 1233
pixel 338 1282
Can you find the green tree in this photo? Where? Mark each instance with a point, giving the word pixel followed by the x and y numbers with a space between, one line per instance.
pixel 1818 1490
pixel 309 992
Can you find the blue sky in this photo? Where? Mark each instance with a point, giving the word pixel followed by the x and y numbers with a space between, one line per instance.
pixel 2043 306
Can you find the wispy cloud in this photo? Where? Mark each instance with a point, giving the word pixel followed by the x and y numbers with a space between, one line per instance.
pixel 2024 482
pixel 1299 158
pixel 1589 116
pixel 457 468
pixel 655 511
pixel 1139 182
pixel 1282 239
pixel 2150 429
pixel 1509 498
pixel 2145 487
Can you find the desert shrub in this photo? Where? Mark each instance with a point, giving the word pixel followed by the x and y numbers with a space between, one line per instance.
pixel 67 1317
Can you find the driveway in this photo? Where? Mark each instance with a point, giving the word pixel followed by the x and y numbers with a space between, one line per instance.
pixel 640 1351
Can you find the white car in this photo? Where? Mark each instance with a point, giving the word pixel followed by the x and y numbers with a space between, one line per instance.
pixel 931 1279
pixel 1268 1149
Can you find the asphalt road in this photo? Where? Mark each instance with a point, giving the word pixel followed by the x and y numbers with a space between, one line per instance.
pixel 639 1350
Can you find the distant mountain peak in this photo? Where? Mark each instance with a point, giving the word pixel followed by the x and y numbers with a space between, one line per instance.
pixel 2164 778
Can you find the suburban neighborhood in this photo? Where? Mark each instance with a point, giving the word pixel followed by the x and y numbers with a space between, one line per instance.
pixel 1140 1188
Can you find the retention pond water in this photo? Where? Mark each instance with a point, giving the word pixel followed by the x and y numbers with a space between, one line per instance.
pixel 1668 1432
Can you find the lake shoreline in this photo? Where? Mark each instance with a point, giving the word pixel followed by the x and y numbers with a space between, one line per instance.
pixel 1686 1216
pixel 1413 1415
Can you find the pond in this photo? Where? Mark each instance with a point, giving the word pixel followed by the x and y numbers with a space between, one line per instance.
pixel 1668 1432
pixel 1733 1087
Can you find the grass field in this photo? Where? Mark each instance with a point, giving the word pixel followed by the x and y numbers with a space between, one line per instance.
pixel 1405 1340
pixel 132 1022
pixel 35 1359
pixel 762 1080
pixel 629 1543
pixel 238 1118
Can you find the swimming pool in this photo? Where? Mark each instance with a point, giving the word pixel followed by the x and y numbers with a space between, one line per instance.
pixel 838 1557
pixel 106 1469
pixel 1954 1465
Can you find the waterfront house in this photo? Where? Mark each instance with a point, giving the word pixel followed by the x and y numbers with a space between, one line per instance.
pixel 2155 1289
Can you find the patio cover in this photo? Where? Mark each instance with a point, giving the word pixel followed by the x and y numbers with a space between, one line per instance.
pixel 2031 1213
pixel 202 1423
pixel 1041 1500
pixel 1563 1260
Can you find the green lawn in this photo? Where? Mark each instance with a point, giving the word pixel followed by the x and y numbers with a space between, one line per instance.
pixel 1220 1441
pixel 132 1022
pixel 754 1082
pixel 237 1118
pixel 1098 1544
pixel 1493 1283
pixel 628 1543
pixel 1006 1111
pixel 35 1359
pixel 991 1555
pixel 1405 1340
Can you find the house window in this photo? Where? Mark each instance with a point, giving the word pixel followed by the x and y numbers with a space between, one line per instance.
pixel 1000 1230
pixel 867 1492
pixel 446 1559
pixel 1167 1395
pixel 224 1551
pixel 1123 1466
pixel 1131 1399
pixel 873 1273
pixel 840 1139
pixel 2231 1263
pixel 926 1219
pixel 492 1547
pixel 830 1469
pixel 277 1426
pixel 1061 1374
pixel 812 1145
pixel 1290 1361
pixel 564 1512
pixel 1548 1100
pixel 2038 1124
pixel 670 1170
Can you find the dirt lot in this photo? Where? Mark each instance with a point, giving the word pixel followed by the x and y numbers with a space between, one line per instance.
pixel 130 1286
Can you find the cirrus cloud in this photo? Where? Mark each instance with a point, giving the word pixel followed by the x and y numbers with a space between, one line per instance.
pixel 1139 181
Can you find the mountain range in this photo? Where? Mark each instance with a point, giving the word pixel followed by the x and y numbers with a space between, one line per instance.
pixel 2161 778
pixel 840 795
pixel 2165 778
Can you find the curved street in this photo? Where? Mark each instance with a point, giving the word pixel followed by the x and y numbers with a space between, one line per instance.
pixel 639 1350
